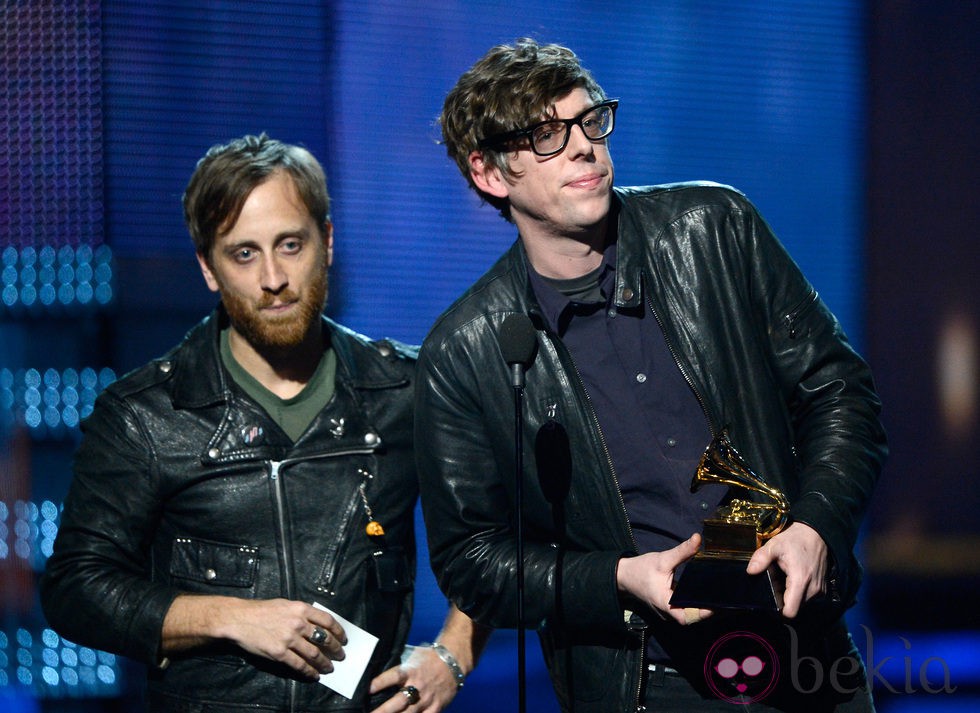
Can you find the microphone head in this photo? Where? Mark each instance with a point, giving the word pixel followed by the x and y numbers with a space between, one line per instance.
pixel 518 339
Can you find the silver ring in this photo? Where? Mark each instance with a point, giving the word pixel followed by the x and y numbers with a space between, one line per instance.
pixel 318 636
pixel 411 693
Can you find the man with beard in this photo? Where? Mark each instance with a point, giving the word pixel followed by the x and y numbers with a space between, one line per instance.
pixel 263 465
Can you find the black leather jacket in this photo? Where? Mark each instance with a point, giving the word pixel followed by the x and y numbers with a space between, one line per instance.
pixel 184 484
pixel 767 361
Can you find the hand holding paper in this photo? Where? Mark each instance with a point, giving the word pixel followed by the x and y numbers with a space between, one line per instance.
pixel 360 645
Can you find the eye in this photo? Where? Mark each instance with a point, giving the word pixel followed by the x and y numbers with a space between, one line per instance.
pixel 597 122
pixel 291 246
pixel 753 665
pixel 727 668
pixel 243 255
pixel 548 132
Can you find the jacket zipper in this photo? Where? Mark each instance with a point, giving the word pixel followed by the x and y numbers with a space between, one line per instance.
pixel 287 554
pixel 791 317
pixel 619 492
pixel 325 580
pixel 605 447
pixel 275 470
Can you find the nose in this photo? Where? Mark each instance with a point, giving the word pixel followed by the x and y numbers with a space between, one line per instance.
pixel 273 277
pixel 578 143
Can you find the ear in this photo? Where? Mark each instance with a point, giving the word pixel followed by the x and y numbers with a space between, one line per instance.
pixel 328 241
pixel 486 176
pixel 209 277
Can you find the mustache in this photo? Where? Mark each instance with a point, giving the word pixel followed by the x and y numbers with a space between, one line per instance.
pixel 267 299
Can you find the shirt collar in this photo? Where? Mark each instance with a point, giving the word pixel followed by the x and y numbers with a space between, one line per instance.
pixel 554 304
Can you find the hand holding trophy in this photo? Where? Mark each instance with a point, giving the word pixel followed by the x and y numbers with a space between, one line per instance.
pixel 716 577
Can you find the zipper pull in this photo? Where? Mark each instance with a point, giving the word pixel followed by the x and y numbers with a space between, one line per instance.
pixel 373 528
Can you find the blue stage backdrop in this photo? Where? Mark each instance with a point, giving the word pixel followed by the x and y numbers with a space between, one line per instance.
pixel 766 96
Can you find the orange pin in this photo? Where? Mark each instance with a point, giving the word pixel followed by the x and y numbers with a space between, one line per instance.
pixel 374 529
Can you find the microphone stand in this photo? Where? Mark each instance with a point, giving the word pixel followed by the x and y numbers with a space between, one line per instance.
pixel 518 382
pixel 518 343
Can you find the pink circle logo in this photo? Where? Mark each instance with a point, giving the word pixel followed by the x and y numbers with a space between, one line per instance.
pixel 741 668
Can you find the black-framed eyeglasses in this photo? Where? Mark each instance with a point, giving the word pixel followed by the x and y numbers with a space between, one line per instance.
pixel 550 136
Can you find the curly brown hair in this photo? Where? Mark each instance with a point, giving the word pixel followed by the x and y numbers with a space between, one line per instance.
pixel 510 87
pixel 227 175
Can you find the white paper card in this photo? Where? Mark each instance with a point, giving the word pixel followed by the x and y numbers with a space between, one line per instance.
pixel 347 674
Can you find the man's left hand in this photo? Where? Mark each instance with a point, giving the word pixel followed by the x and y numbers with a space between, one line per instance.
pixel 427 673
pixel 801 554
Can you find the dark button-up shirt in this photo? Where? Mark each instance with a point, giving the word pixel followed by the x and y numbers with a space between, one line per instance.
pixel 650 419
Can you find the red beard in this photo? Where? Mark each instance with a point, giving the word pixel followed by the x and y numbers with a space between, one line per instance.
pixel 278 333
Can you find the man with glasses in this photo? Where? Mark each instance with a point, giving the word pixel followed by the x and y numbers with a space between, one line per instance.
pixel 662 319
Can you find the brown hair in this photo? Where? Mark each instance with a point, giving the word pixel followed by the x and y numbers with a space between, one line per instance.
pixel 510 87
pixel 228 173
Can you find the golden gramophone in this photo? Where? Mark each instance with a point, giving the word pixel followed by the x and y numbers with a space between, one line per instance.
pixel 716 577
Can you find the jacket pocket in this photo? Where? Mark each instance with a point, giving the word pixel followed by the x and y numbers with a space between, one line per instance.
pixel 330 565
pixel 793 321
pixel 213 563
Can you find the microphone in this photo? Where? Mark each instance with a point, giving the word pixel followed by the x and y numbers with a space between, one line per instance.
pixel 518 343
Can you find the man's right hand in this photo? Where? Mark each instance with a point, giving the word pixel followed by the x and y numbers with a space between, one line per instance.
pixel 650 578
pixel 276 629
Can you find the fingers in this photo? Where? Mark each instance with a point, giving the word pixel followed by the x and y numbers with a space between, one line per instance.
pixel 688 616
pixel 424 673
pixel 801 586
pixel 406 698
pixel 316 640
pixel 792 599
pixel 695 616
pixel 411 694
pixel 673 557
pixel 762 558
pixel 310 659
pixel 307 665
pixel 801 554
pixel 320 618
pixel 327 642
pixel 299 635
pixel 394 676
pixel 318 637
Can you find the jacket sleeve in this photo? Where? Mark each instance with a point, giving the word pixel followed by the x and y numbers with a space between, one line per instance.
pixel 96 590
pixel 830 396
pixel 466 475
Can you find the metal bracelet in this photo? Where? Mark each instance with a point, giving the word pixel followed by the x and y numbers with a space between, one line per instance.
pixel 448 659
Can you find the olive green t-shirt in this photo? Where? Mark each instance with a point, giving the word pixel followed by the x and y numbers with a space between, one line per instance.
pixel 295 414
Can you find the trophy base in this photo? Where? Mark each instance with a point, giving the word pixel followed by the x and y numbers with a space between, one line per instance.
pixel 722 583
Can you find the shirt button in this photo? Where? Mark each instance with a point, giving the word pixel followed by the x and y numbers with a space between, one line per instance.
pixel 210 574
pixel 611 313
pixel 641 377
pixel 671 442
pixel 704 506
